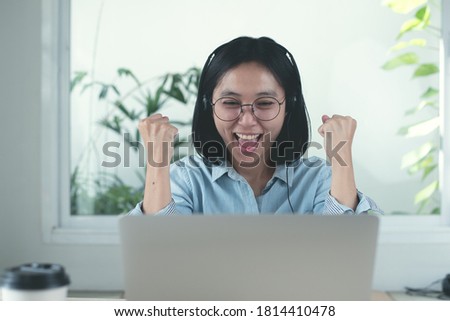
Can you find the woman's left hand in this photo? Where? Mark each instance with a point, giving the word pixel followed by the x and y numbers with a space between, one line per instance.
pixel 338 132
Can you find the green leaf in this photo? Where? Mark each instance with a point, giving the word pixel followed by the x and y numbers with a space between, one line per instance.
pixel 436 210
pixel 124 72
pixel 137 135
pixel 79 76
pixel 428 170
pixel 422 105
pixel 194 77
pixel 118 124
pixel 151 104
pixel 115 125
pixel 421 165
pixel 405 44
pixel 103 92
pixel 180 123
pixel 403 6
pixel 409 58
pixel 115 90
pixel 176 79
pixel 130 114
pixel 423 14
pixel 159 93
pixel 425 70
pixel 425 193
pixel 177 94
pixel 421 128
pixel 430 92
pixel 86 87
pixel 418 42
pixel 129 73
pixel 92 84
pixel 409 25
pixel 416 155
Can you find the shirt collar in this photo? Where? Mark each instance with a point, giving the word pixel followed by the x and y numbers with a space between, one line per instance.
pixel 280 172
pixel 218 171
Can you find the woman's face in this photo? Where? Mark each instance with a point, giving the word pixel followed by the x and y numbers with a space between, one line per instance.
pixel 247 138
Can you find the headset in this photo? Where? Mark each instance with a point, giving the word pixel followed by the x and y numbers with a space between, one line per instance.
pixel 287 187
pixel 446 285
pixel 443 294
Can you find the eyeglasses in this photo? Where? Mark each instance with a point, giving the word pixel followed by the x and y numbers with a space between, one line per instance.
pixel 263 108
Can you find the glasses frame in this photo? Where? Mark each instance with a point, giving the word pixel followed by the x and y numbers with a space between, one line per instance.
pixel 252 105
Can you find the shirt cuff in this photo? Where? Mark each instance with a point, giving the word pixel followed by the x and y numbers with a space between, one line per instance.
pixel 365 204
pixel 169 209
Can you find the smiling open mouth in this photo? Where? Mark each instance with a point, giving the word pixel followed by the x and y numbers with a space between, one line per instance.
pixel 248 143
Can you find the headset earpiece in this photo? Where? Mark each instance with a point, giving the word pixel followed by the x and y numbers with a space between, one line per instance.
pixel 205 102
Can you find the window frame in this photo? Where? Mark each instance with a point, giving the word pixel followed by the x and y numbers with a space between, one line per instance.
pixel 444 103
pixel 60 227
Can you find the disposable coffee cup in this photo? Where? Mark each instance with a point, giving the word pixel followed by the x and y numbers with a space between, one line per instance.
pixel 35 282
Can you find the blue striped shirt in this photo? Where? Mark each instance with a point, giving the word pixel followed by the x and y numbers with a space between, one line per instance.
pixel 198 188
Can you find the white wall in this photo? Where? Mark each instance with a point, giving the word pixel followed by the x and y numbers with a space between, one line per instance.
pixel 21 241
pixel 20 214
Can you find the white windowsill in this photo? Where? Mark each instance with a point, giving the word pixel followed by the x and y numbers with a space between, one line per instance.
pixel 393 230
pixel 413 230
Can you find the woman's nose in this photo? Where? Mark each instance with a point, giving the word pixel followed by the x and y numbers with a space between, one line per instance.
pixel 247 115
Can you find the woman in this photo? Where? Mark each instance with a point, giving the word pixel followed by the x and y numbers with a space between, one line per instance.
pixel 251 130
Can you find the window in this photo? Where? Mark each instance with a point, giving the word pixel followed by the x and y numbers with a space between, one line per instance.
pixel 91 58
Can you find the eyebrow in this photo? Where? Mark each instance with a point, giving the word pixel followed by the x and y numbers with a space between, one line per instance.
pixel 261 93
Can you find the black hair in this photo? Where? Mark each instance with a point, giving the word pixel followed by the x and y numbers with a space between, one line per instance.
pixel 294 137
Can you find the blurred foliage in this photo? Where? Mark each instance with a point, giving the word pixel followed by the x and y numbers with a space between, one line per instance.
pixel 423 160
pixel 144 98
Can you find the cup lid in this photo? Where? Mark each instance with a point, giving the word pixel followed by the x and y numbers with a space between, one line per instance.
pixel 35 276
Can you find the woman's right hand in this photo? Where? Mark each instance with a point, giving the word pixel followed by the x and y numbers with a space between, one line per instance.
pixel 158 136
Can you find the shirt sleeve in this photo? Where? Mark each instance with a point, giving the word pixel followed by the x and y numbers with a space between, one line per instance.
pixel 325 203
pixel 365 204
pixel 170 209
pixel 182 198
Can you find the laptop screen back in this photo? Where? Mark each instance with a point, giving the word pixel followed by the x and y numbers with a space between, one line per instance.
pixel 264 257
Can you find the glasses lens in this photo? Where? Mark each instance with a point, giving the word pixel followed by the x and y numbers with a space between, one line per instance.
pixel 227 108
pixel 266 108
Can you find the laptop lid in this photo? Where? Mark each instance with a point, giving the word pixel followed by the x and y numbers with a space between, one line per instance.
pixel 264 257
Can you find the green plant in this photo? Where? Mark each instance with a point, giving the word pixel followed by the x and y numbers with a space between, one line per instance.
pixel 144 98
pixel 423 36
pixel 171 86
pixel 112 196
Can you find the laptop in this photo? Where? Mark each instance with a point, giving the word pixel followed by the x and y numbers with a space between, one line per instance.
pixel 258 258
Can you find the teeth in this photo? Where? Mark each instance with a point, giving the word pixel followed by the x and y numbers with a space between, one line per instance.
pixel 247 137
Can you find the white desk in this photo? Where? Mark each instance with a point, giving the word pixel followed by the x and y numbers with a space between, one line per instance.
pixel 118 296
